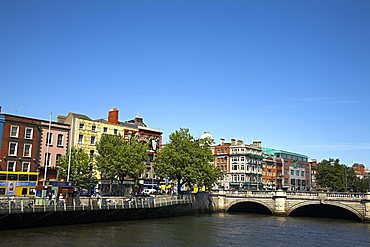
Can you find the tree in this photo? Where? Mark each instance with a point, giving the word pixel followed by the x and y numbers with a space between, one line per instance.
pixel 187 160
pixel 338 177
pixel 332 175
pixel 81 169
pixel 119 158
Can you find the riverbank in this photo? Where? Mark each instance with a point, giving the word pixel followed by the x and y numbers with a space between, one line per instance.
pixel 23 214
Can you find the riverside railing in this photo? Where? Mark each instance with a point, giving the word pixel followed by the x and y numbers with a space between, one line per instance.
pixel 30 205
pixel 344 196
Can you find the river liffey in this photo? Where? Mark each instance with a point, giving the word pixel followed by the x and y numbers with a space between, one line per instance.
pixel 200 230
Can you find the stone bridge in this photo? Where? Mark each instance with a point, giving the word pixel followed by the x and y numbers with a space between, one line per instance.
pixel 283 203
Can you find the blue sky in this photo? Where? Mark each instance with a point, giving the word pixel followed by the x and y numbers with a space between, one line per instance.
pixel 294 74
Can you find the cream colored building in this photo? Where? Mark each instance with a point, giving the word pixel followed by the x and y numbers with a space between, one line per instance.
pixel 87 132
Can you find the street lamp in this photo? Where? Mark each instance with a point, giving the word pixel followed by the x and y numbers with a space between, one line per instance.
pixel 280 182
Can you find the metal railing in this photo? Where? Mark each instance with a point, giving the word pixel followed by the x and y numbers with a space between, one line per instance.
pixel 9 205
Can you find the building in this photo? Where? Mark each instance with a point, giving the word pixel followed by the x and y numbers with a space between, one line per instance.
pixel 359 169
pixel 87 132
pixel 313 167
pixel 24 152
pixel 295 170
pixel 53 145
pixel 269 172
pixel 240 163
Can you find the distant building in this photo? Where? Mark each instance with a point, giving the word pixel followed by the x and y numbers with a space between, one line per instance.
pixel 240 163
pixel 86 133
pixel 359 170
pixel 22 153
pixel 269 172
pixel 295 170
pixel 313 167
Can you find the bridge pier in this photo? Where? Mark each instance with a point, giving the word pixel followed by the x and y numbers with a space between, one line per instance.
pixel 280 198
pixel 366 202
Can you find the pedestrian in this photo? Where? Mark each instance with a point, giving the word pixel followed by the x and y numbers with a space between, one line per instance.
pixel 61 200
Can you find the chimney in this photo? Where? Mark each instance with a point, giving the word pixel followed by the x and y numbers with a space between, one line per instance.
pixel 139 121
pixel 240 142
pixel 257 144
pixel 233 141
pixel 222 141
pixel 113 116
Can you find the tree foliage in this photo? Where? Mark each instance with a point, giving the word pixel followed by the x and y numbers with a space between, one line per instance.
pixel 81 169
pixel 338 177
pixel 187 160
pixel 119 158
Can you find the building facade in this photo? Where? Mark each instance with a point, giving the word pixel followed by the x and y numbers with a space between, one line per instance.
pixel 86 133
pixel 240 163
pixel 19 155
pixel 295 171
pixel 53 145
pixel 269 172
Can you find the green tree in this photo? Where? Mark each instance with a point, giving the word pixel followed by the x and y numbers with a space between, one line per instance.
pixel 81 169
pixel 338 177
pixel 119 159
pixel 187 161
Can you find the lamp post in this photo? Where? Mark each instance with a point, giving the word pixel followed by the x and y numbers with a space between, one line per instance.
pixel 280 182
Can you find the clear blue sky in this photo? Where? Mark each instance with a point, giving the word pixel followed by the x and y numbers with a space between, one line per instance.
pixel 294 74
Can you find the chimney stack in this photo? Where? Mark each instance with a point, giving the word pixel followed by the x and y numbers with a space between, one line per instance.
pixel 233 141
pixel 222 141
pixel 240 142
pixel 258 144
pixel 113 116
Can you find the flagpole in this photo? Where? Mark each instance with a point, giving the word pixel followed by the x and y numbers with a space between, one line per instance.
pixel 70 151
pixel 48 140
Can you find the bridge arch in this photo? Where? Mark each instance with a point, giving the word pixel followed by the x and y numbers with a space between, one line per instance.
pixel 251 201
pixel 325 203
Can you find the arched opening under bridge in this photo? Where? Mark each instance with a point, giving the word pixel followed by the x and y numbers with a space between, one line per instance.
pixel 249 207
pixel 325 211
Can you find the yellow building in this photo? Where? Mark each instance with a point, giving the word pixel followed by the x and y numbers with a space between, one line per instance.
pixel 86 133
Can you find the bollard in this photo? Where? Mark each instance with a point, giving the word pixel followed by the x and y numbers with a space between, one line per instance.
pixel 22 206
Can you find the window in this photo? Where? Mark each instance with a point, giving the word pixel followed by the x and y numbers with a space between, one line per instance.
pixel 241 158
pixel 58 157
pixel 27 150
pixel 11 166
pixel 242 167
pixel 60 140
pixel 115 131
pixel 93 128
pixel 80 139
pixel 297 173
pixel 2 191
pixel 92 140
pixel 105 129
pixel 24 191
pixel 302 173
pixel 49 139
pixel 28 133
pixel 286 172
pixel 292 172
pixel 81 126
pixel 13 146
pixel 14 131
pixel 26 166
pixel 47 159
pixel 235 167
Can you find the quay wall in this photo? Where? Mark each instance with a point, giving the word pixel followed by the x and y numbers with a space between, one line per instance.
pixel 199 203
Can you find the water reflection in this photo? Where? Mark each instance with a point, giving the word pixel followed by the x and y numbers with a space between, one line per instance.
pixel 201 230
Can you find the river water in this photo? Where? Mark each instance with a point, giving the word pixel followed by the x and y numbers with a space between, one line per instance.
pixel 240 229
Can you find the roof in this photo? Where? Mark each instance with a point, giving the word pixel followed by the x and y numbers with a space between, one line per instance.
pixel 272 151
pixel 80 116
